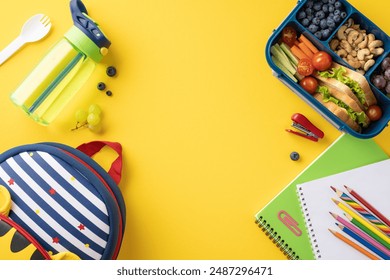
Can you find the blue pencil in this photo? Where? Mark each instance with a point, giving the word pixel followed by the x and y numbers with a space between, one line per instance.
pixel 363 242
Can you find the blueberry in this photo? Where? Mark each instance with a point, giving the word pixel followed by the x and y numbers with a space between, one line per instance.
pixel 338 5
pixel 336 12
pixel 325 8
pixel 325 1
pixel 332 1
pixel 313 28
pixel 317 6
pixel 301 15
pixel 309 12
pixel 337 18
pixel 330 23
pixel 310 4
pixel 294 156
pixel 318 34
pixel 320 14
pixel 111 71
pixel 101 86
pixel 323 24
pixel 305 22
pixel 325 33
pixel 316 21
pixel 343 15
pixel 108 92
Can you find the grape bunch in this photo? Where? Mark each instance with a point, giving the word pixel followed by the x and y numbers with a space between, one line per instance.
pixel 382 79
pixel 321 17
pixel 90 118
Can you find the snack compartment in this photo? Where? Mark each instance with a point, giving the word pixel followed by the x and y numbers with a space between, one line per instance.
pixel 360 43
pixel 380 75
pixel 322 18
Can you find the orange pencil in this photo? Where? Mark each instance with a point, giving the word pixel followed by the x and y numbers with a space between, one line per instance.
pixel 353 244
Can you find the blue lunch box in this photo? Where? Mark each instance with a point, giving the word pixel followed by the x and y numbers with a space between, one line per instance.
pixel 294 19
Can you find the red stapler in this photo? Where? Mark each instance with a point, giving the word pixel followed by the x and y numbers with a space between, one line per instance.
pixel 310 131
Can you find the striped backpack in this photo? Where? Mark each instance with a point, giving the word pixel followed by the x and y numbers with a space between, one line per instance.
pixel 61 202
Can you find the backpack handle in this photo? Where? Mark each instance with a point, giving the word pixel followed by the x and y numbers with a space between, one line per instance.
pixel 91 148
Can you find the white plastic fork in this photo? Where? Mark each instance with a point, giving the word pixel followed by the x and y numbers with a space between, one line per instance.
pixel 35 28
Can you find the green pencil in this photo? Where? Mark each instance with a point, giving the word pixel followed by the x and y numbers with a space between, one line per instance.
pixel 367 230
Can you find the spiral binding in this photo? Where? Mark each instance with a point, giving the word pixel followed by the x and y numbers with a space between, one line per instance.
pixel 309 225
pixel 276 239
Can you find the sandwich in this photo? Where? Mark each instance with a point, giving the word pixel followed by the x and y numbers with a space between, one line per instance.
pixel 346 94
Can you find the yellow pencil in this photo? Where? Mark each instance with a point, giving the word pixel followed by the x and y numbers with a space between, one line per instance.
pixel 353 245
pixel 361 220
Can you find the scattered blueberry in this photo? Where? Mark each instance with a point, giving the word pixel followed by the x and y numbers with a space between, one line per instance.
pixel 111 71
pixel 101 86
pixel 294 156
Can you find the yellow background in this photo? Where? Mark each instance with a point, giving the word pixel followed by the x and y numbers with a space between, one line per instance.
pixel 197 110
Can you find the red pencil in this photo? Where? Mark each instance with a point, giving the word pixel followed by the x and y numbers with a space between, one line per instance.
pixel 369 206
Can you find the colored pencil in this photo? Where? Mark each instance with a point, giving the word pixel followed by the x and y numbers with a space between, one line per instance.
pixel 363 242
pixel 362 234
pixel 353 244
pixel 362 211
pixel 366 230
pixel 361 220
pixel 368 205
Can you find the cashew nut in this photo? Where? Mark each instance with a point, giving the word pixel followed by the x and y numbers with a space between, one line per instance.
pixel 360 38
pixel 340 32
pixel 334 44
pixel 363 44
pixel 375 44
pixel 342 53
pixel 345 45
pixel 371 38
pixel 354 63
pixel 368 64
pixel 362 53
pixel 352 36
pixel 350 22
pixel 377 51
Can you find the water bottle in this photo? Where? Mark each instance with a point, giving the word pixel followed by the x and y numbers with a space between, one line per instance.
pixel 64 69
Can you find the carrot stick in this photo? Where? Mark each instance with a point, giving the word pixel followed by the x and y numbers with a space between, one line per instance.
pixel 309 44
pixel 298 52
pixel 306 50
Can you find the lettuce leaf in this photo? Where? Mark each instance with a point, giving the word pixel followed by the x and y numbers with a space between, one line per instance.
pixel 339 74
pixel 360 117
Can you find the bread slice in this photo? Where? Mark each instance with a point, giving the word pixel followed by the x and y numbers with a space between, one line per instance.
pixel 370 97
pixel 359 78
pixel 339 112
pixel 351 101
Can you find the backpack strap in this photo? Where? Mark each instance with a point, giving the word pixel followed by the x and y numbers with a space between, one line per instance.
pixel 91 148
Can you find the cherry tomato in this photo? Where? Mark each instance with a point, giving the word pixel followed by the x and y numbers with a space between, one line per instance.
pixel 289 35
pixel 322 61
pixel 305 67
pixel 309 84
pixel 374 112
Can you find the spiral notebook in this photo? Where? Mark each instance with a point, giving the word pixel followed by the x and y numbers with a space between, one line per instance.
pixel 282 219
pixel 370 181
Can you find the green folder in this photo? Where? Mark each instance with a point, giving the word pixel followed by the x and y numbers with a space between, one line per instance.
pixel 282 219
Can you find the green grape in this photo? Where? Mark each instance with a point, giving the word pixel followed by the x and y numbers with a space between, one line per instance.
pixel 93 119
pixel 81 116
pixel 95 109
pixel 95 128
